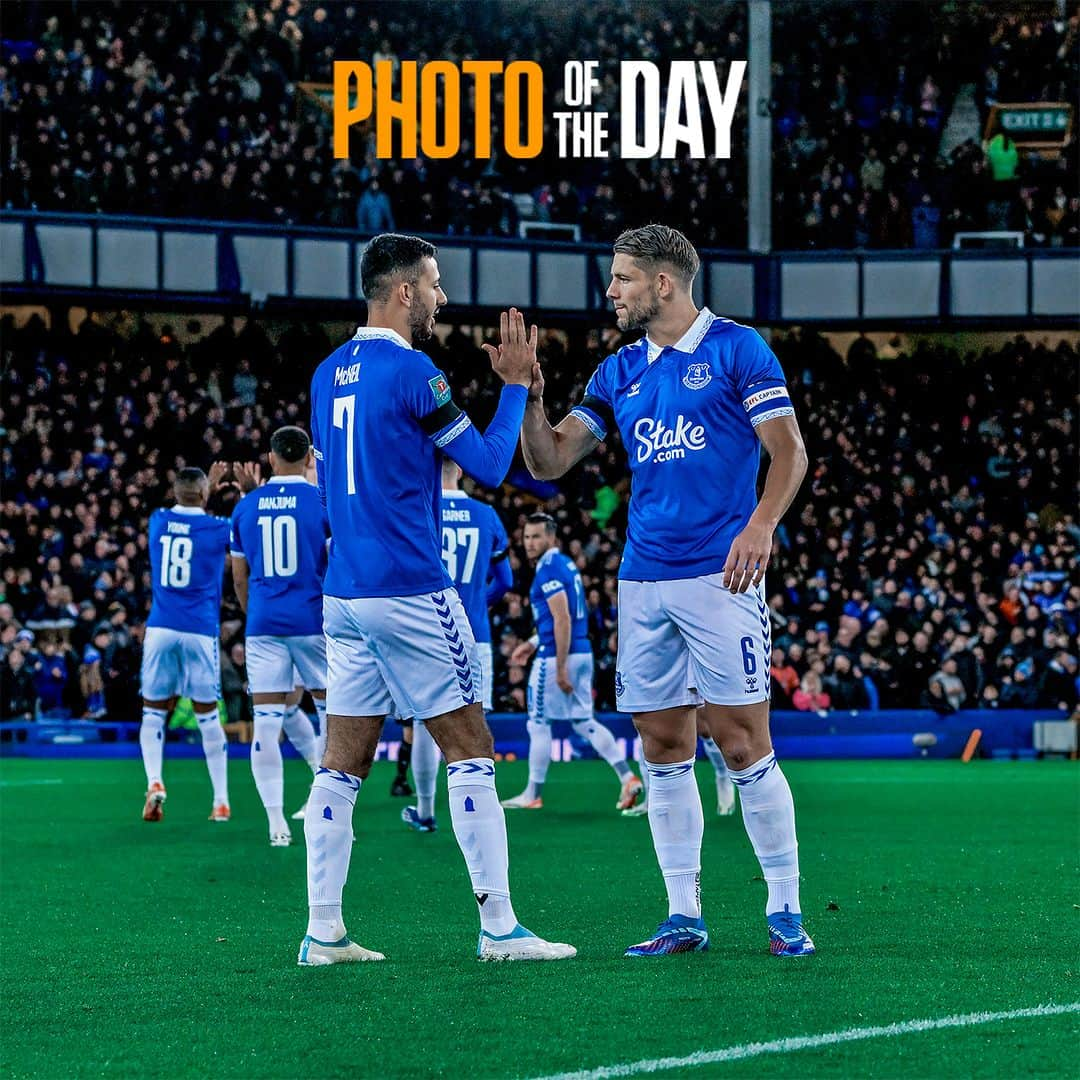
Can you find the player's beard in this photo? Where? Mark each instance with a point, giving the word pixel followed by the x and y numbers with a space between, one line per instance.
pixel 639 317
pixel 420 321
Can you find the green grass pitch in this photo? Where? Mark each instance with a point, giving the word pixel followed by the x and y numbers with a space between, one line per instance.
pixel 931 889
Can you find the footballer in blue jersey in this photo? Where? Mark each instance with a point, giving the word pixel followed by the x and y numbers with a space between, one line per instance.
pixel 475 550
pixel 278 551
pixel 561 680
pixel 694 400
pixel 382 417
pixel 188 548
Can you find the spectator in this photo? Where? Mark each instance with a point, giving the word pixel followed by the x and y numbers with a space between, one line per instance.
pixel 18 695
pixel 373 212
pixel 811 697
pixel 952 688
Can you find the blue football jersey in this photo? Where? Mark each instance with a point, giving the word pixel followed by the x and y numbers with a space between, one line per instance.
pixel 281 530
pixel 687 414
pixel 556 573
pixel 473 538
pixel 382 415
pixel 187 563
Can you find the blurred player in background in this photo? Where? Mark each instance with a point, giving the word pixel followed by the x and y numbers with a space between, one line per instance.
pixel 188 548
pixel 396 630
pixel 475 550
pixel 278 552
pixel 560 683
pixel 694 400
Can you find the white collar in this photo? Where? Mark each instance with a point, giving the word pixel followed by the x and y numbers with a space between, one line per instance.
pixel 547 556
pixel 689 342
pixel 453 493
pixel 374 333
pixel 194 511
pixel 287 480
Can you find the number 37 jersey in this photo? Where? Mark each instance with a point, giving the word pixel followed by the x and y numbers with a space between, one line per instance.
pixel 187 563
pixel 281 530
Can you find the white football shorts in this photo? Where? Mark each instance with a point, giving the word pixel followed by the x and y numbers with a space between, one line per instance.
pixel 690 641
pixel 548 702
pixel 484 650
pixel 415 655
pixel 276 664
pixel 175 662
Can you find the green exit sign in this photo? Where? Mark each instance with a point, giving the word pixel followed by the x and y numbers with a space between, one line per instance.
pixel 1042 126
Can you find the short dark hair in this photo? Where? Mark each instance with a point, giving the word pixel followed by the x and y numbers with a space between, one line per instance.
pixel 392 256
pixel 652 245
pixel 290 443
pixel 541 518
pixel 189 479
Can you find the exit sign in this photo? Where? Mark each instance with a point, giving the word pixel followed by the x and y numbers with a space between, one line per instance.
pixel 1042 126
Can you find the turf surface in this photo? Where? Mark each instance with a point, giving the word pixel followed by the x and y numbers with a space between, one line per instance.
pixel 931 888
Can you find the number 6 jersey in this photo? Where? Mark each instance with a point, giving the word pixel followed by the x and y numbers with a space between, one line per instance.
pixel 187 562
pixel 281 530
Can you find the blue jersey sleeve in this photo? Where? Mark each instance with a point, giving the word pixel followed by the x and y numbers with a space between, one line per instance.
pixel 502 577
pixel 236 540
pixel 759 379
pixel 317 446
pixel 485 457
pixel 596 408
pixel 550 581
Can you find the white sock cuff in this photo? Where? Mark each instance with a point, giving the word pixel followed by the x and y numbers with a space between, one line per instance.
pixel 672 770
pixel 752 774
pixel 203 717
pixel 154 717
pixel 339 783
pixel 474 772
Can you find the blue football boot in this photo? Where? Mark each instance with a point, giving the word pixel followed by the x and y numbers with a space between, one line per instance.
pixel 676 934
pixel 787 937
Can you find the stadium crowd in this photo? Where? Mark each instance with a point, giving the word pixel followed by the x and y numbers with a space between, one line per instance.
pixel 192 110
pixel 929 561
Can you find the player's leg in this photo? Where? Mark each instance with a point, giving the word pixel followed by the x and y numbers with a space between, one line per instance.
pixel 202 683
pixel 309 671
pixel 425 767
pixel 160 681
pixel 725 789
pixel 579 709
pixel 400 788
pixel 651 682
pixel 728 635
pixel 641 808
pixel 270 676
pixel 539 729
pixel 354 683
pixel 328 832
pixel 434 671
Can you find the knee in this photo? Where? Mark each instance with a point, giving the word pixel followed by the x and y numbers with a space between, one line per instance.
pixel 355 764
pixel 738 752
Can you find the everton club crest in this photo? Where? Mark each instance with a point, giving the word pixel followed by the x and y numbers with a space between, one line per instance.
pixel 697 377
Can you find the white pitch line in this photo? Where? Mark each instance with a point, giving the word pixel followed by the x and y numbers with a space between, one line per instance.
pixel 810 1042
pixel 27 783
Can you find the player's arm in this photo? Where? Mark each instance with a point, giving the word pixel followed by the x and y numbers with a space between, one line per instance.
pixel 240 575
pixel 751 549
pixel 502 577
pixel 238 562
pixel 551 452
pixel 559 607
pixel 485 457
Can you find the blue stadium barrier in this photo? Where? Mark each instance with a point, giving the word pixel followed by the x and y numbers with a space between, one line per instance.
pixel 220 265
pixel 833 736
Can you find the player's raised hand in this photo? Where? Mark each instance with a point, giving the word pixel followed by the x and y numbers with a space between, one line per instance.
pixel 218 473
pixel 536 387
pixel 248 475
pixel 748 558
pixel 515 356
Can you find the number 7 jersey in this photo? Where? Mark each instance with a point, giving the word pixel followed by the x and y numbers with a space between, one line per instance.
pixel 187 564
pixel 281 530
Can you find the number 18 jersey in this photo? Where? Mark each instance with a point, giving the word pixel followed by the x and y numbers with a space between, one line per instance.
pixel 187 563
pixel 281 530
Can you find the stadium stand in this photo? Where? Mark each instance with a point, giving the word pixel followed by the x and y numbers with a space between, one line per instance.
pixel 929 561
pixel 192 110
